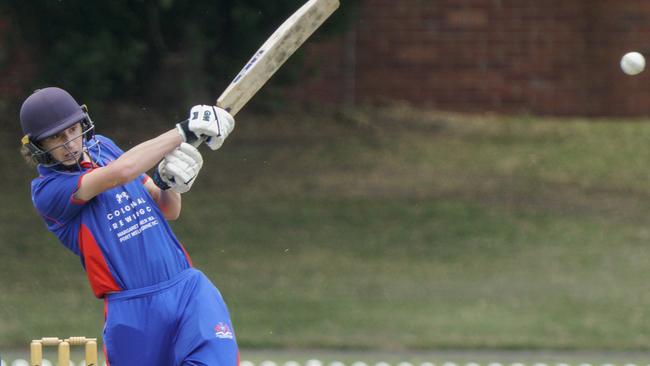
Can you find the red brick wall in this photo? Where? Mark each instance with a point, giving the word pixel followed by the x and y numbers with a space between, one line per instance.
pixel 557 57
pixel 16 67
pixel 544 57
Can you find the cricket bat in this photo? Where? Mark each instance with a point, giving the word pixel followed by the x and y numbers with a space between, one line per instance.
pixel 274 52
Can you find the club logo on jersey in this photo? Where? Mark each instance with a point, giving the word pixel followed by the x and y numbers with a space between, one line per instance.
pixel 121 196
pixel 223 331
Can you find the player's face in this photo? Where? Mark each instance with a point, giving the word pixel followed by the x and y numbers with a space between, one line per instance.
pixel 66 146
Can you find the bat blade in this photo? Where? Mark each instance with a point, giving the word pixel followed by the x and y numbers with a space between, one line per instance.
pixel 274 52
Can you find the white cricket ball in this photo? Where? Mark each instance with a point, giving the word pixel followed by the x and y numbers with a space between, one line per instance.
pixel 632 63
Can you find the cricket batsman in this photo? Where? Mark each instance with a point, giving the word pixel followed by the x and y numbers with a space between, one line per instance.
pixel 101 205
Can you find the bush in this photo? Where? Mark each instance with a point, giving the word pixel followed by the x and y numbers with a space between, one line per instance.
pixel 109 49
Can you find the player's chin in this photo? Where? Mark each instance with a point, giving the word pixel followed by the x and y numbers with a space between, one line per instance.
pixel 68 163
pixel 70 159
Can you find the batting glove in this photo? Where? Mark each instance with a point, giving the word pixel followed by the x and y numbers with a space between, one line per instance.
pixel 207 123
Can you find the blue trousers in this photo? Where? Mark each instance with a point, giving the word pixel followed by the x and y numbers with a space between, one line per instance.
pixel 182 321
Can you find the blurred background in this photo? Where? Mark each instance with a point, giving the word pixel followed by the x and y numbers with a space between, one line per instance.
pixel 422 176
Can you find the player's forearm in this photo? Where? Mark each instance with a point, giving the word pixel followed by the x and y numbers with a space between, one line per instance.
pixel 170 204
pixel 146 155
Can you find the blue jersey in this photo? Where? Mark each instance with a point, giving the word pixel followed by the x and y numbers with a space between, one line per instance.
pixel 121 236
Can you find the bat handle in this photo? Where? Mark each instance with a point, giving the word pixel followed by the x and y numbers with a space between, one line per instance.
pixel 198 142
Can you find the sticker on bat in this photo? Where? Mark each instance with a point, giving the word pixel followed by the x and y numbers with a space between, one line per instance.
pixel 250 64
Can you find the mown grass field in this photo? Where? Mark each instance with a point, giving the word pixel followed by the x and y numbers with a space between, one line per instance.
pixel 386 228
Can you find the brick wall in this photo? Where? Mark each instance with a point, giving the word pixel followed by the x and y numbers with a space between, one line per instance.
pixel 16 66
pixel 556 57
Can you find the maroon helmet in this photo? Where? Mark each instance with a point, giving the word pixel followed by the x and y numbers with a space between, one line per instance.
pixel 47 112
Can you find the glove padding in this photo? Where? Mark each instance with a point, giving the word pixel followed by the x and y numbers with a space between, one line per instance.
pixel 207 123
pixel 179 169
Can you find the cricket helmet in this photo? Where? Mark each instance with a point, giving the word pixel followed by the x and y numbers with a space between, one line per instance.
pixel 47 112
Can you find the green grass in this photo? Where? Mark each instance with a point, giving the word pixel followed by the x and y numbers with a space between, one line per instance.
pixel 389 229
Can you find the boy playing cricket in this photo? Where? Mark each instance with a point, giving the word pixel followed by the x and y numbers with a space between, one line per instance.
pixel 102 206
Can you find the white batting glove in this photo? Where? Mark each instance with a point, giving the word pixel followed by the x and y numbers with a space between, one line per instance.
pixel 178 170
pixel 207 123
